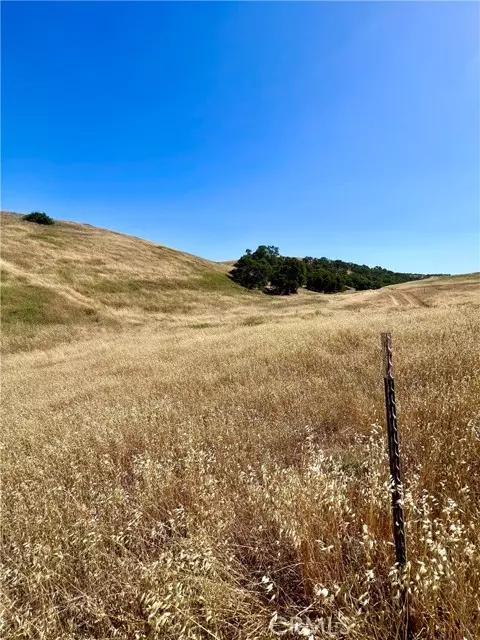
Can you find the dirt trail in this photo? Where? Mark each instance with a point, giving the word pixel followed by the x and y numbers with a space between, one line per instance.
pixel 393 299
pixel 406 299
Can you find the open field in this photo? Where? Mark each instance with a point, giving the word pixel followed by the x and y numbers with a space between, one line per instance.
pixel 196 467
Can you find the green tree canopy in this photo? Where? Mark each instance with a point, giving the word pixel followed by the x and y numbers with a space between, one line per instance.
pixel 251 272
pixel 325 281
pixel 289 276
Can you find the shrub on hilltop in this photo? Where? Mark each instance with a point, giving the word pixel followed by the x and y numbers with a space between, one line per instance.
pixel 39 217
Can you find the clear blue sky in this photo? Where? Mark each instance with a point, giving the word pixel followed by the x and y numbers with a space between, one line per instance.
pixel 346 130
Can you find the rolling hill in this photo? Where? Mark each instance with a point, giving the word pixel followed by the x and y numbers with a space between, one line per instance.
pixel 64 281
pixel 73 274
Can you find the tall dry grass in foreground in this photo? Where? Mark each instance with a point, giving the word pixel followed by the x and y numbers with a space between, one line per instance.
pixel 209 482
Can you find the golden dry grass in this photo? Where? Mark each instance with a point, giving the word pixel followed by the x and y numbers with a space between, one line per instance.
pixel 215 472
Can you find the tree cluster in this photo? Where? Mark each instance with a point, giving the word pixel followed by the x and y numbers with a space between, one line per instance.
pixel 266 269
pixel 330 276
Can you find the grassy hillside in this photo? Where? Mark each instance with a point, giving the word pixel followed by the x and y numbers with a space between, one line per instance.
pixel 76 276
pixel 214 473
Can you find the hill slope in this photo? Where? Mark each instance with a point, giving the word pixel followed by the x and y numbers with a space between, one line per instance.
pixel 71 274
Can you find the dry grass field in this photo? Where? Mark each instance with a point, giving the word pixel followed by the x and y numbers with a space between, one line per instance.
pixel 183 459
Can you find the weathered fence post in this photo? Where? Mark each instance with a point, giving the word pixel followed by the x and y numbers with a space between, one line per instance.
pixel 396 482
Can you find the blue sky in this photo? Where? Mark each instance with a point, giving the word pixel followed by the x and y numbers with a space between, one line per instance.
pixel 347 130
